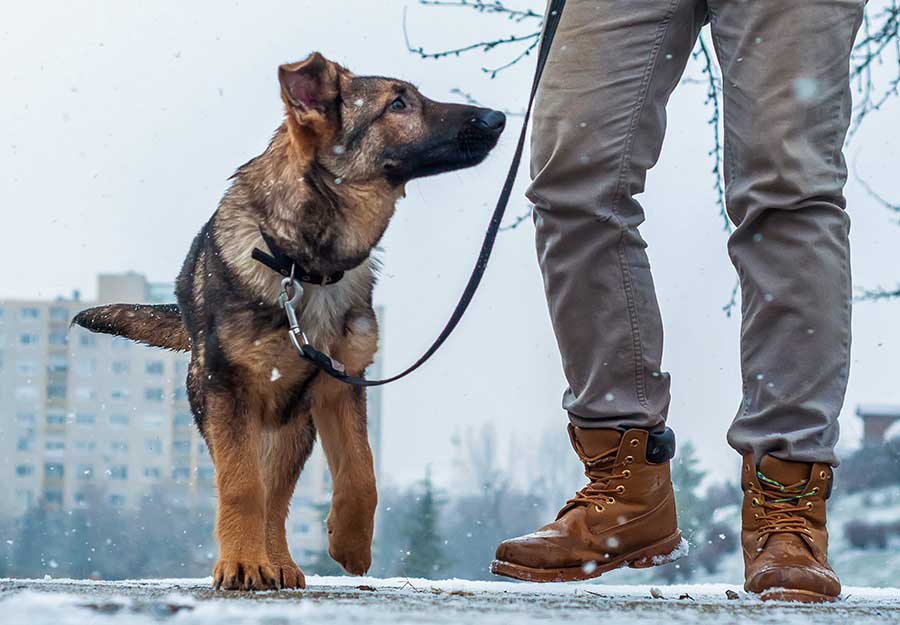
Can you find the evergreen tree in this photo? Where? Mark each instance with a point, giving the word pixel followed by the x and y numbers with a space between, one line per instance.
pixel 322 562
pixel 694 512
pixel 424 553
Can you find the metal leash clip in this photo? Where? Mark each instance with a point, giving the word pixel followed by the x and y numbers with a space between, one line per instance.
pixel 289 302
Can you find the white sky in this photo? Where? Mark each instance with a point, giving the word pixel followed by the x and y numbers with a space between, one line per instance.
pixel 120 122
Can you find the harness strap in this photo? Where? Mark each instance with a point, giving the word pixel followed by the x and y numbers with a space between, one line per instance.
pixel 324 362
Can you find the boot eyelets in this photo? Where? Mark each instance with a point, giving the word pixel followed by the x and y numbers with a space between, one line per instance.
pixel 620 489
pixel 809 505
pixel 610 501
pixel 629 459
pixel 815 491
pixel 755 502
pixel 823 475
pixel 634 442
pixel 599 508
pixel 626 474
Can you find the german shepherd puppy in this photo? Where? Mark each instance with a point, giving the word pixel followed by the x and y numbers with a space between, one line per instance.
pixel 323 191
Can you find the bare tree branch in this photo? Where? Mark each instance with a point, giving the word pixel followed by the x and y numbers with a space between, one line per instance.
pixel 713 86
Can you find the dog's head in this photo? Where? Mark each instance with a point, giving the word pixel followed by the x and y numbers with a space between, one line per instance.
pixel 366 128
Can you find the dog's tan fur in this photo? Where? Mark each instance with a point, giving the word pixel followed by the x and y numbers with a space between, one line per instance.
pixel 324 190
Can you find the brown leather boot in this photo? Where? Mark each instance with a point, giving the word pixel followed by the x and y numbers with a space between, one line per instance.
pixel 625 516
pixel 784 537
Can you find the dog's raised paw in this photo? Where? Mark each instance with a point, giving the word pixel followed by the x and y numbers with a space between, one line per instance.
pixel 245 574
pixel 355 562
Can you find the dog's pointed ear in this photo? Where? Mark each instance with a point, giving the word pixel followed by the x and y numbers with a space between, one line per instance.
pixel 311 88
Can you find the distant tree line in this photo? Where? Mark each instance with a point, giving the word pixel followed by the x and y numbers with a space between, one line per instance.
pixel 163 537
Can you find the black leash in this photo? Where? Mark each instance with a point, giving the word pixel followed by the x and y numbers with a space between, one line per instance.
pixel 335 369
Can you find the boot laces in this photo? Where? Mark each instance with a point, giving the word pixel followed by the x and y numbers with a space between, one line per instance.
pixel 601 472
pixel 782 507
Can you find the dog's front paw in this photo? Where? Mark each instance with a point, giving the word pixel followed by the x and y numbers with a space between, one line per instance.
pixel 290 575
pixel 245 574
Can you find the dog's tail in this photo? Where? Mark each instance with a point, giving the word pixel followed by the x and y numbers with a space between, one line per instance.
pixel 157 325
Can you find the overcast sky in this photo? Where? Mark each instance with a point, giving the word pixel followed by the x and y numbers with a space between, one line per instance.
pixel 120 122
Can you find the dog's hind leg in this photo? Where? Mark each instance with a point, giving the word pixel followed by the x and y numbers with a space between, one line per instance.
pixel 233 437
pixel 281 461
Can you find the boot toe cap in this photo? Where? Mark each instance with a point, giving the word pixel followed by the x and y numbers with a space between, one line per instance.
pixel 813 578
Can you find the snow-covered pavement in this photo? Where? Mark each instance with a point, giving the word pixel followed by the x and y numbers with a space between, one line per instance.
pixel 340 601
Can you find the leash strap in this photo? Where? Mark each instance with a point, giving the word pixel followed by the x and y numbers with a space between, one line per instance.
pixel 325 363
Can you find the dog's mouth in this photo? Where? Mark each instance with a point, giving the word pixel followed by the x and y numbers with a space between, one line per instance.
pixel 467 147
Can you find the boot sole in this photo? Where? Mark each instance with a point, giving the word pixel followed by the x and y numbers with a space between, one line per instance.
pixel 798 596
pixel 660 553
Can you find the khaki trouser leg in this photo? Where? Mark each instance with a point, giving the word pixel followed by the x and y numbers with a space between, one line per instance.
pixel 787 109
pixel 598 127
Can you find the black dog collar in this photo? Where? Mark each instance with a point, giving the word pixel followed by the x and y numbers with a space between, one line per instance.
pixel 280 262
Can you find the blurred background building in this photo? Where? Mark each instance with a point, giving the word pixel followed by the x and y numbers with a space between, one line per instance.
pixel 81 411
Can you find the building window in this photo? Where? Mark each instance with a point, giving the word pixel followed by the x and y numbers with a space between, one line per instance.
pixel 119 420
pixel 25 418
pixel 117 501
pixel 120 343
pixel 152 422
pixel 154 367
pixel 25 367
pixel 120 367
pixel 153 394
pixel 58 338
pixel 85 393
pixel 152 473
pixel 183 419
pixel 56 417
pixel 85 472
pixel 53 497
pixel 85 445
pixel 119 394
pixel 86 367
pixel 56 391
pixel 29 338
pixel 206 473
pixel 24 498
pixel 181 447
pixel 181 394
pixel 181 473
pixel 87 340
pixel 85 418
pixel 54 469
pixel 55 444
pixel 29 313
pixel 25 443
pixel 57 364
pixel 119 447
pixel 26 392
pixel 59 314
pixel 153 446
pixel 24 470
pixel 118 472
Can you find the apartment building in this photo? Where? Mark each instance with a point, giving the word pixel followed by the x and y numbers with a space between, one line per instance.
pixel 80 409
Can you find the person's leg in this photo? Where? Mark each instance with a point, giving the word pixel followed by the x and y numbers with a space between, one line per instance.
pixel 785 71
pixel 787 108
pixel 598 127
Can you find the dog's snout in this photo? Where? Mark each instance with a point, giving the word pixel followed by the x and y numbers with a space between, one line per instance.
pixel 490 119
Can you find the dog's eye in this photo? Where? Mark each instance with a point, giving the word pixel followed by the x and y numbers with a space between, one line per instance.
pixel 398 104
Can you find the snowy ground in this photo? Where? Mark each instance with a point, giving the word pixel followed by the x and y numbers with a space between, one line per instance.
pixel 341 601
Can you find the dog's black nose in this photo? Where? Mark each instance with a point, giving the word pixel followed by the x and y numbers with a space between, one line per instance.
pixel 490 119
